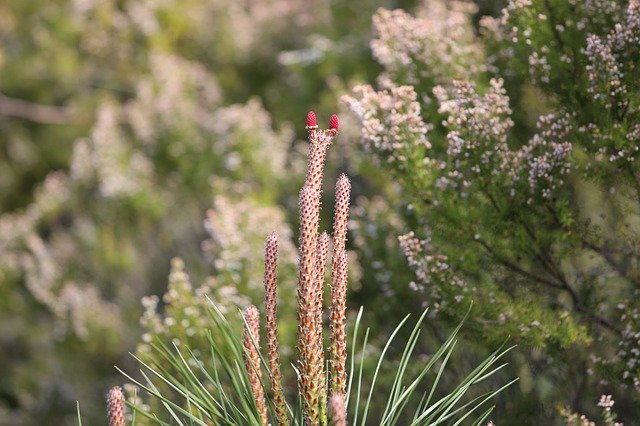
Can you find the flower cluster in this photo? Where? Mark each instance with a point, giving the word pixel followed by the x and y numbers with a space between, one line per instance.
pixel 120 170
pixel 437 44
pixel 608 416
pixel 610 60
pixel 78 307
pixel 435 276
pixel 545 158
pixel 176 93
pixel 184 316
pixel 249 30
pixel 478 128
pixel 478 143
pixel 478 125
pixel 605 73
pixel 602 8
pixel 629 345
pixel 236 229
pixel 392 126
pixel 237 127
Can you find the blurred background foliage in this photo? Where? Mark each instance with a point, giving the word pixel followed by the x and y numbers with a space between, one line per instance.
pixel 137 132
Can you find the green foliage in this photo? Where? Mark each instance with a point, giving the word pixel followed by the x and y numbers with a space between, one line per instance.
pixel 219 391
pixel 534 223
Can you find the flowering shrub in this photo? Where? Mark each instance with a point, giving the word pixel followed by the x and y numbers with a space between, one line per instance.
pixel 532 221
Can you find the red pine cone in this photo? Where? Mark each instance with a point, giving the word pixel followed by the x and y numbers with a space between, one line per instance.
pixel 333 123
pixel 311 120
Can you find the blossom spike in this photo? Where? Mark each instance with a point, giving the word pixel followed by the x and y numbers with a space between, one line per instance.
pixel 340 218
pixel 338 327
pixel 270 302
pixel 322 250
pixel 310 365
pixel 115 406
pixel 312 262
pixel 338 410
pixel 251 343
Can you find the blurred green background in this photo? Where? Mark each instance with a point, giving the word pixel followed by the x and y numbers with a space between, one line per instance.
pixel 134 132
